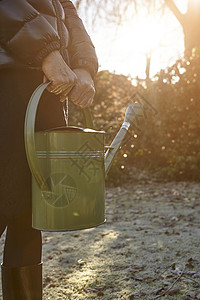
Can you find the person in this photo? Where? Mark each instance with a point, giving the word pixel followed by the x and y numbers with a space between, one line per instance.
pixel 40 40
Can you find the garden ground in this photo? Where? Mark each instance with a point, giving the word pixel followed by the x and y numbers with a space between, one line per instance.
pixel 149 247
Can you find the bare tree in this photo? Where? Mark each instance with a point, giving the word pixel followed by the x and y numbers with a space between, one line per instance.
pixel 190 22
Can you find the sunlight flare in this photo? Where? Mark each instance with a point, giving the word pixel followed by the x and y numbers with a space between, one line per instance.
pixel 148 34
pixel 123 48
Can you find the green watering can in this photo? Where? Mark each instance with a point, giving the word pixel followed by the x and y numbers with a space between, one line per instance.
pixel 68 167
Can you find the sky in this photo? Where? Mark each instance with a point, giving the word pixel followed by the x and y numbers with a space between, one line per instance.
pixel 123 49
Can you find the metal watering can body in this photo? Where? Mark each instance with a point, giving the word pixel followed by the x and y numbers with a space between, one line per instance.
pixel 68 172
pixel 72 164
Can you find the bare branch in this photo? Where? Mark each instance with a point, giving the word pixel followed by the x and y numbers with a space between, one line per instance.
pixel 172 6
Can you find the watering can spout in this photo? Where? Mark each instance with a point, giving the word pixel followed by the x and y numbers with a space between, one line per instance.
pixel 133 112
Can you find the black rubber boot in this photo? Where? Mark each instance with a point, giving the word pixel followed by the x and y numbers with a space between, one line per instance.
pixel 22 283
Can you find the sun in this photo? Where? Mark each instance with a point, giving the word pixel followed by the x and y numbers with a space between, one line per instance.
pixel 124 48
pixel 138 39
pixel 148 34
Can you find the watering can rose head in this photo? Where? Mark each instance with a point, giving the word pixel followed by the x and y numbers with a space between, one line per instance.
pixel 133 112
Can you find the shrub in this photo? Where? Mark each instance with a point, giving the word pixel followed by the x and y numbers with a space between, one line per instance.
pixel 167 143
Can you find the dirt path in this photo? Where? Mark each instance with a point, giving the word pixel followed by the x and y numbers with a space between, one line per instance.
pixel 151 241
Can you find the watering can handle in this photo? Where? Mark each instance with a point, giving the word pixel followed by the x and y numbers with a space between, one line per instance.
pixel 29 134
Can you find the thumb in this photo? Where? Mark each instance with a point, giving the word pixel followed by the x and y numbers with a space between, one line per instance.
pixel 45 79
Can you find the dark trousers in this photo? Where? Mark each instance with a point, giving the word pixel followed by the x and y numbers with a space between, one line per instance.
pixel 23 243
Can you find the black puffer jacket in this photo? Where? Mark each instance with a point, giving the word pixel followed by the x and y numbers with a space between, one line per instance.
pixel 31 29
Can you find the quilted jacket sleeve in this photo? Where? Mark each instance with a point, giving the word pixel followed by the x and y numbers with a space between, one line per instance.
pixel 81 50
pixel 25 33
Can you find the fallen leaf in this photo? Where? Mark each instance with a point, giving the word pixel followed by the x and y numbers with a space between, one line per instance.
pixel 48 279
pixel 173 291
pixel 191 294
pixel 158 291
pixel 173 266
pixel 50 257
pixel 52 285
pixel 81 262
pixel 100 293
pixel 189 265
